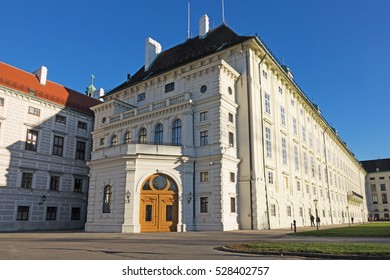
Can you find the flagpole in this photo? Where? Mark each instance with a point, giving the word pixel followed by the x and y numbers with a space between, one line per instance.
pixel 189 20
pixel 223 11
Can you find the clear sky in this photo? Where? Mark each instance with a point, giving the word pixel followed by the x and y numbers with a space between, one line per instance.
pixel 338 50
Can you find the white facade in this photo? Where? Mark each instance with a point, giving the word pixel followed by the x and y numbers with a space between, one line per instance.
pixel 254 152
pixel 39 168
pixel 378 189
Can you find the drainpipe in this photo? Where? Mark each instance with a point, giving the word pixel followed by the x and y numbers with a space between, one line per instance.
pixel 194 173
pixel 249 132
pixel 327 175
pixel 263 144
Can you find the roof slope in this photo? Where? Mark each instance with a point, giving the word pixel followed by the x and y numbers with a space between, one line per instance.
pixel 215 40
pixel 20 80
pixel 376 165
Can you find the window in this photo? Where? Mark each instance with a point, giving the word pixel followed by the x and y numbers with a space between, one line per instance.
pixel 283 115
pixel 374 198
pixel 31 140
pixel 75 214
pixel 383 187
pixel 284 150
pixel 176 132
pixel 101 141
pixel 295 127
pixel 232 177
pixel 142 136
pixel 270 177
pixel 1 102
pixel 204 205
pixel 169 87
pixel 314 190
pixel 268 143
pixel 204 138
pixel 384 198
pixel 310 140
pixel 159 134
pixel 107 195
pixel 128 137
pixel 288 211
pixel 78 185
pixel 114 140
pixel 298 186
pixel 54 183
pixel 296 158
pixel 203 88
pixel 267 100
pixel 265 75
pixel 381 178
pixel 51 213
pixel 203 116
pixel 230 91
pixel 372 178
pixel 204 176
pixel 141 97
pixel 273 210
pixel 307 189
pixel 60 119
pixel 305 166
pixel 319 172
pixel 232 205
pixel 303 134
pixel 280 90
pixel 300 212
pixel 82 125
pixel 27 179
pixel 34 111
pixel 231 118
pixel 312 166
pixel 231 139
pixel 58 145
pixel 22 214
pixel 80 150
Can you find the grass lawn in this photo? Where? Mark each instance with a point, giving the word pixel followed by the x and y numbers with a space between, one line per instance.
pixel 337 249
pixel 377 229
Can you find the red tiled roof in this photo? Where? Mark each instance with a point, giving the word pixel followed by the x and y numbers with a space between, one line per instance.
pixel 20 80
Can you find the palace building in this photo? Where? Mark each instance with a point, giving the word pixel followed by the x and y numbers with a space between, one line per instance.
pixel 45 142
pixel 214 134
pixel 378 188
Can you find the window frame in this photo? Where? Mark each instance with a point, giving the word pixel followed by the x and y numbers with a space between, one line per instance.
pixel 177 132
pixel 107 199
pixel 32 140
pixel 204 138
pixel 204 204
pixel 54 183
pixel 78 185
pixel 27 180
pixel 81 147
pixel 58 148
pixel 204 176
pixel 23 213
pixel 51 213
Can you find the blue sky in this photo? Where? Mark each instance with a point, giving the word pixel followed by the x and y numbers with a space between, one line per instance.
pixel 338 51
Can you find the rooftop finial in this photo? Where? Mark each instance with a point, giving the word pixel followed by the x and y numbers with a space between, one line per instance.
pixel 90 89
pixel 223 11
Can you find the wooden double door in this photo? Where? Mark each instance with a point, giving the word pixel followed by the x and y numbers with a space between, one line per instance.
pixel 158 207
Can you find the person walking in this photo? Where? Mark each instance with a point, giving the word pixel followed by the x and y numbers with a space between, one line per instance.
pixel 312 221
pixel 352 220
pixel 318 220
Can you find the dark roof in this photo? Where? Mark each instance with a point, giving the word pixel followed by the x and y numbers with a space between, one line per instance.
pixel 376 165
pixel 215 40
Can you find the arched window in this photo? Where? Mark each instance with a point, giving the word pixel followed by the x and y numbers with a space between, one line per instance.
pixel 158 134
pixel 128 137
pixel 107 199
pixel 114 140
pixel 176 132
pixel 142 136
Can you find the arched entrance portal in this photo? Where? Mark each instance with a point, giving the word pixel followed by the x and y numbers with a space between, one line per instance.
pixel 158 204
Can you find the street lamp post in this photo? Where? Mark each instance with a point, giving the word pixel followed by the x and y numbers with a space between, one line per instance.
pixel 315 203
pixel 362 216
pixel 349 222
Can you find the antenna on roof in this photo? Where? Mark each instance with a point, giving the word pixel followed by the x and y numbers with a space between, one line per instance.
pixel 189 17
pixel 223 11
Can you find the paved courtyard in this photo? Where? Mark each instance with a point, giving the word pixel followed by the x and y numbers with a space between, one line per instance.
pixel 78 245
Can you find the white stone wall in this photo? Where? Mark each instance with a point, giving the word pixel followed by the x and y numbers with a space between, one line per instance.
pixel 375 182
pixel 14 160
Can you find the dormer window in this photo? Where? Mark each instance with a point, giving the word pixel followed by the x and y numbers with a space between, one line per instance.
pixel 169 87
pixel 141 97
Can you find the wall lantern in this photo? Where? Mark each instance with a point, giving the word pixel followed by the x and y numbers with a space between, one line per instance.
pixel 43 199
pixel 189 197
pixel 127 194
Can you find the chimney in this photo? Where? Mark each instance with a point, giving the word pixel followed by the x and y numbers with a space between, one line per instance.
pixel 99 94
pixel 41 74
pixel 203 25
pixel 152 49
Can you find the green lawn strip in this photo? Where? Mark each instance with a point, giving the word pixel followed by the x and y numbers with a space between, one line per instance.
pixel 351 249
pixel 366 230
